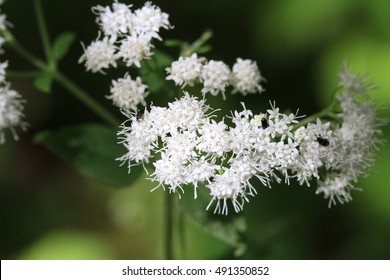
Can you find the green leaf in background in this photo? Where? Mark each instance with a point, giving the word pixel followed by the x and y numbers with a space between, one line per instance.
pixel 92 149
pixel 227 229
pixel 44 82
pixel 153 71
pixel 62 44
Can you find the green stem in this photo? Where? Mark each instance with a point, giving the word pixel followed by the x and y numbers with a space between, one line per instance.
pixel 181 232
pixel 22 74
pixel 169 226
pixel 327 112
pixel 74 89
pixel 83 96
pixel 43 32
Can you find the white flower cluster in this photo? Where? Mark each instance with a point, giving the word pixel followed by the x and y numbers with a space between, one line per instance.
pixel 216 76
pixel 11 103
pixel 187 146
pixel 127 35
pixel 127 93
pixel 356 139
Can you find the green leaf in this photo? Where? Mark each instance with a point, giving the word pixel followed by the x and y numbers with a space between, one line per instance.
pixel 92 149
pixel 153 73
pixel 162 59
pixel 227 229
pixel 62 45
pixel 44 82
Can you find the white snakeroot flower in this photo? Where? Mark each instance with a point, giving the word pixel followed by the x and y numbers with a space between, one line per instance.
pixel 148 20
pixel 100 54
pixel 133 49
pixel 127 93
pixel 3 67
pixel 188 112
pixel 224 187
pixel 336 188
pixel 185 70
pixel 3 22
pixel 2 42
pixel 355 140
pixel 246 77
pixel 11 112
pixel 187 146
pixel 169 172
pixel 214 138
pixel 216 76
pixel 115 21
pixel 353 83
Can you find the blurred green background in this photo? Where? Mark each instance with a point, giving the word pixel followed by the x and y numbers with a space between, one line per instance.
pixel 49 211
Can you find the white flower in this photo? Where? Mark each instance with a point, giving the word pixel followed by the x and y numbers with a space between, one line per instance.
pixel 3 67
pixel 214 138
pixel 11 111
pixel 148 20
pixel 336 187
pixel 133 49
pixel 127 93
pixel 180 146
pixel 224 187
pixel 354 143
pixel 188 112
pixel 99 55
pixel 3 22
pixel 246 77
pixel 216 76
pixel 201 170
pixel 169 172
pixel 2 42
pixel 353 83
pixel 185 70
pixel 114 22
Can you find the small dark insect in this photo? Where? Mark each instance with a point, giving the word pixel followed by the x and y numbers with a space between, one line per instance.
pixel 322 141
pixel 264 123
pixel 140 114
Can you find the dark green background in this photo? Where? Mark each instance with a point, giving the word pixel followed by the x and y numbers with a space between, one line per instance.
pixel 49 211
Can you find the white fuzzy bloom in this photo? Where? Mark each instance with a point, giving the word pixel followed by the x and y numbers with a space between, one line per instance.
pixel 169 172
pixel 2 42
pixel 3 67
pixel 199 171
pixel 354 142
pixel 224 187
pixel 127 93
pixel 148 20
pixel 11 111
pixel 133 49
pixel 246 77
pixel 185 70
pixel 115 21
pixel 214 138
pixel 99 55
pixel 336 187
pixel 216 76
pixel 188 112
pixel 316 146
pixel 3 22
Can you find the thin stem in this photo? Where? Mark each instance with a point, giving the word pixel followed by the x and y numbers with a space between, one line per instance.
pixel 74 89
pixel 181 232
pixel 22 74
pixel 83 96
pixel 43 32
pixel 328 111
pixel 169 226
pixel 26 54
